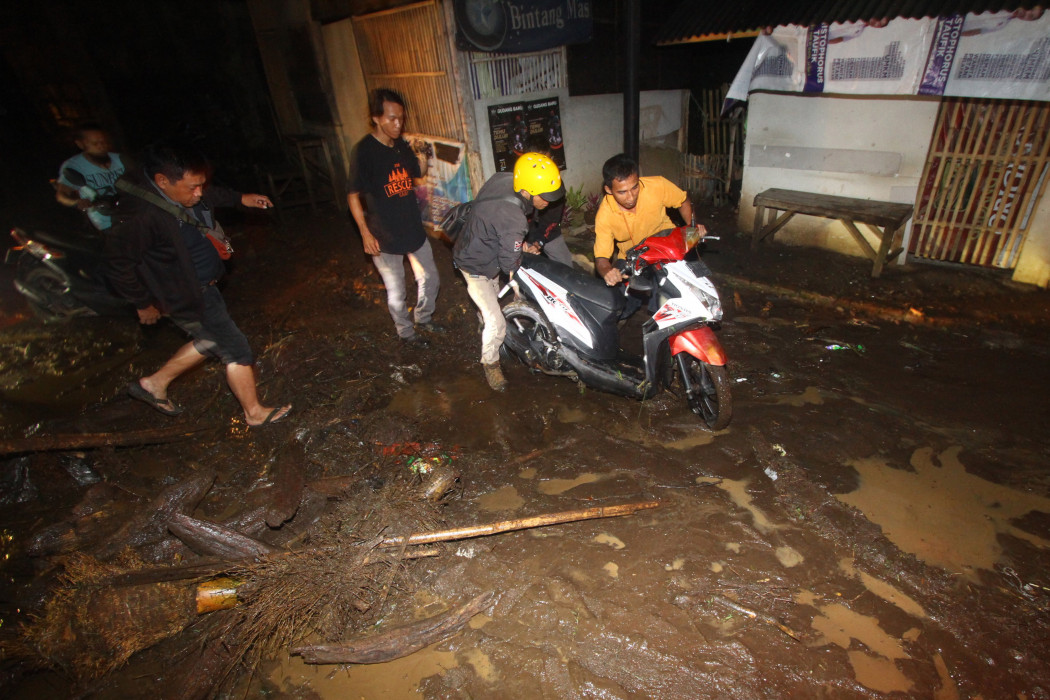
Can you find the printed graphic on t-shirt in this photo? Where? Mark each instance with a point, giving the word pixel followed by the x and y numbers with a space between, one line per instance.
pixel 399 183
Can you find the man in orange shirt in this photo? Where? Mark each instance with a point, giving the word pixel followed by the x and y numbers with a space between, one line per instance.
pixel 633 209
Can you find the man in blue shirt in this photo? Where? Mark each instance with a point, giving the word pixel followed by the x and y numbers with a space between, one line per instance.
pixel 89 175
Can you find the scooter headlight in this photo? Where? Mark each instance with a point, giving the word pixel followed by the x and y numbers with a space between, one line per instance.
pixel 704 291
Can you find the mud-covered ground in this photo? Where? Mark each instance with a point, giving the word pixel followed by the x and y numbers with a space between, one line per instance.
pixel 875 522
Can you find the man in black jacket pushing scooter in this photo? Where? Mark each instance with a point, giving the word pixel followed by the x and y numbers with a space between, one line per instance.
pixel 162 259
pixel 491 243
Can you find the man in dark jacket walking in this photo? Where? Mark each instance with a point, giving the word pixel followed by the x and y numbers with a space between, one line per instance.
pixel 491 243
pixel 161 260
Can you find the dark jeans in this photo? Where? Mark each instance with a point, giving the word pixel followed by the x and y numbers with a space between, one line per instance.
pixel 215 333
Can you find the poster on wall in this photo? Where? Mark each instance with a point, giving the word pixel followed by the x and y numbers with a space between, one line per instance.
pixel 526 126
pixel 1004 55
pixel 520 26
pixel 447 182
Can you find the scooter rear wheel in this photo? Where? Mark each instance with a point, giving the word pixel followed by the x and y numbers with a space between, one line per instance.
pixel 50 288
pixel 712 399
pixel 529 336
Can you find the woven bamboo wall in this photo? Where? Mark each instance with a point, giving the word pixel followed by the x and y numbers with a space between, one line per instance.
pixel 986 170
pixel 709 176
pixel 407 49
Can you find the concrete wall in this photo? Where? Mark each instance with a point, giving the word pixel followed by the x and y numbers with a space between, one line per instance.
pixel 867 147
pixel 1033 265
pixel 854 147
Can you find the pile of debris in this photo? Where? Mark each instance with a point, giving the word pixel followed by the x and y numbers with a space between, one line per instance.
pixel 306 567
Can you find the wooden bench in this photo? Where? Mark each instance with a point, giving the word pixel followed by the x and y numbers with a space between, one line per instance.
pixel 885 219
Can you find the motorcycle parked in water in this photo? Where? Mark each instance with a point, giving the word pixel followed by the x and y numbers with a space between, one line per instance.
pixel 60 275
pixel 566 323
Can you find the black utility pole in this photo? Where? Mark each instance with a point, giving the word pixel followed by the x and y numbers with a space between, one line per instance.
pixel 632 45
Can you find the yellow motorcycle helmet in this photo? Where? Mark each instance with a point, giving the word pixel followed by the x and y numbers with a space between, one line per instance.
pixel 538 175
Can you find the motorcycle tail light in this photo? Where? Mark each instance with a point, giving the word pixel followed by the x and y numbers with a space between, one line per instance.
pixel 39 250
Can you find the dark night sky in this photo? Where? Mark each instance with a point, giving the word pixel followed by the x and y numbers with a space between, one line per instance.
pixel 148 69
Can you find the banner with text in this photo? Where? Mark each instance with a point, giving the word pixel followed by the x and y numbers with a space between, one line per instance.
pixel 1002 55
pixel 520 26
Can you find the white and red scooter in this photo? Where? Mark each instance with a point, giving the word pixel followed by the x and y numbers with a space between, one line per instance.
pixel 564 322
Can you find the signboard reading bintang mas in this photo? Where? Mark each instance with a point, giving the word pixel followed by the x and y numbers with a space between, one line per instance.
pixel 519 26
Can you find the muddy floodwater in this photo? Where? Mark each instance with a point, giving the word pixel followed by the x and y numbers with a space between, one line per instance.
pixel 875 521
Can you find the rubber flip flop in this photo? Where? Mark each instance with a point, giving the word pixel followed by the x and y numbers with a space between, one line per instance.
pixel 270 418
pixel 165 406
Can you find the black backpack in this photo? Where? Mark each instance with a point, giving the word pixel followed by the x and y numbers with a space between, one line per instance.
pixel 456 218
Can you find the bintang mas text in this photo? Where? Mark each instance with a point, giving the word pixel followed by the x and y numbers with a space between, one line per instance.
pixel 555 17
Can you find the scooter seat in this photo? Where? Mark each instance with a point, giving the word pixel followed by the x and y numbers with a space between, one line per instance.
pixel 84 243
pixel 584 286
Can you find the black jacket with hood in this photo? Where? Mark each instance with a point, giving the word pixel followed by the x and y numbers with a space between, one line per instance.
pixel 491 240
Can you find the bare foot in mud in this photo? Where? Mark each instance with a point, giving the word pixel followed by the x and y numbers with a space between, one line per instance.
pixel 266 415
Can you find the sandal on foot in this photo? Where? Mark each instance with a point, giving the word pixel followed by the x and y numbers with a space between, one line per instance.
pixel 165 406
pixel 270 418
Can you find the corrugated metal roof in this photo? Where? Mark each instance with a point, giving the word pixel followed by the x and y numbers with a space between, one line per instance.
pixel 694 21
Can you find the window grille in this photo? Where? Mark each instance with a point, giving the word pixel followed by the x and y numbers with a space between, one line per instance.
pixel 497 75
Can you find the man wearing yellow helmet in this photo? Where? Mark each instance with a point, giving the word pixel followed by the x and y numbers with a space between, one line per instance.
pixel 491 243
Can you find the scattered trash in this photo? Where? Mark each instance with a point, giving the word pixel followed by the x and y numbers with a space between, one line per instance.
pixel 409 448
pixel 402 374
pixel 441 481
pixel 15 486
pixel 78 467
pixel 755 615
pixel 779 449
pixel 423 466
pixel 916 348
pixel 858 348
pixel 740 379
pixel 467 551
pixel 771 473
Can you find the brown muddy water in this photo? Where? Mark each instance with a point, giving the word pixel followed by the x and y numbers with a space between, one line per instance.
pixel 874 523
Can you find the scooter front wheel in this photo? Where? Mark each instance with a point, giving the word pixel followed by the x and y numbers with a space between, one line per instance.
pixel 709 396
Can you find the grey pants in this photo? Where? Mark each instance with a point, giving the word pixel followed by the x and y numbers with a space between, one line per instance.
pixel 392 270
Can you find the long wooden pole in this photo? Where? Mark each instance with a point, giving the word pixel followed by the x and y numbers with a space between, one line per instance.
pixel 461 533
pixel 212 568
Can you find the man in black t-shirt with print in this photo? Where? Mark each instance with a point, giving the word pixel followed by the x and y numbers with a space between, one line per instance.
pixel 382 200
